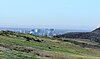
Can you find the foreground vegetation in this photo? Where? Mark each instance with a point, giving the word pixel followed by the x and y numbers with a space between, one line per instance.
pixel 25 46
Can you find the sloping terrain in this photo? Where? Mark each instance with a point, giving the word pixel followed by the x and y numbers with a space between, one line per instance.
pixel 93 36
pixel 25 46
pixel 97 31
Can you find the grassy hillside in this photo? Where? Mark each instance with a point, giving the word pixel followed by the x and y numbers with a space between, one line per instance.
pixel 24 46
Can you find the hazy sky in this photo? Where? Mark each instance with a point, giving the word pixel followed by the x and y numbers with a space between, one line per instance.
pixel 50 13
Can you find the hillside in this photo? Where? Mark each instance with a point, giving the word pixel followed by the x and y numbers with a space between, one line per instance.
pixel 97 31
pixel 93 36
pixel 25 46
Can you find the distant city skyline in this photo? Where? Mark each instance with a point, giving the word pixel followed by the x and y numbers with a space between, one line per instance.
pixel 60 14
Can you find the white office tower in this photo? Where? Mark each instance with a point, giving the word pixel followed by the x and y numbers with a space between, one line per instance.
pixel 36 30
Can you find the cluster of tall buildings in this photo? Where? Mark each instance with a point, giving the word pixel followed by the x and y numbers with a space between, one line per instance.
pixel 40 32
pixel 43 32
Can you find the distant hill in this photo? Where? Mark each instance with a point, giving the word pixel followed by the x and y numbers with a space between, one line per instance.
pixel 93 35
pixel 97 31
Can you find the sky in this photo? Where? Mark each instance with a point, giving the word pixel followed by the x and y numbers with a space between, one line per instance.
pixel 66 14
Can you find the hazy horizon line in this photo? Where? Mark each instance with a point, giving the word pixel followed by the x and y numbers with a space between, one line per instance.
pixel 49 27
